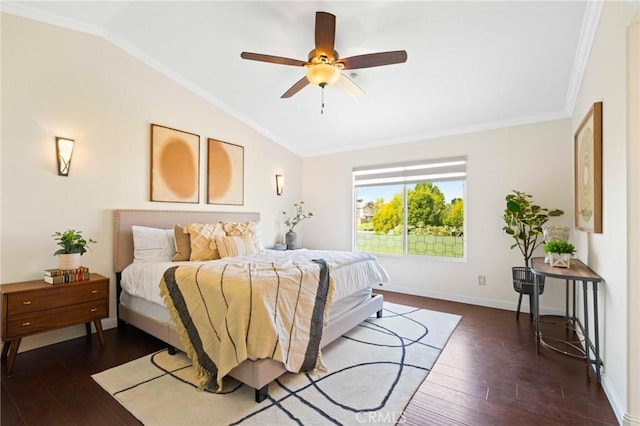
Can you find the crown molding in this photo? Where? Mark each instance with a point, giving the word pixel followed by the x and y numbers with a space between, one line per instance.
pixel 454 131
pixel 590 23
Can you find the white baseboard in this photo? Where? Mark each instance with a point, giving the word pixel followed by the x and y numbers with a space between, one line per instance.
pixel 489 303
pixel 629 420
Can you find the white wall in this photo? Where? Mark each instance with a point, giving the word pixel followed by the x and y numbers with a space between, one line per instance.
pixel 633 221
pixel 605 80
pixel 58 82
pixel 534 158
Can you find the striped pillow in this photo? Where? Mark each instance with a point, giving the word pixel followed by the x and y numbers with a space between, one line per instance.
pixel 203 244
pixel 240 229
pixel 235 246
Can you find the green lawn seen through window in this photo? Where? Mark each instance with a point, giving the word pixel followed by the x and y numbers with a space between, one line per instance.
pixel 429 245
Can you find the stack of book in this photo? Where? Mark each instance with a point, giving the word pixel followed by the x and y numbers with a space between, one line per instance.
pixel 60 276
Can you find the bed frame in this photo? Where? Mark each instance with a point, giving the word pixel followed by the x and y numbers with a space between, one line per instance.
pixel 256 374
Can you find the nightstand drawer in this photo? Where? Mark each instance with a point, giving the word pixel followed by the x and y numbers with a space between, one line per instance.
pixel 37 322
pixel 56 296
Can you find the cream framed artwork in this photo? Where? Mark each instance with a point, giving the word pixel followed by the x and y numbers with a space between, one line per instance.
pixel 225 173
pixel 588 171
pixel 175 165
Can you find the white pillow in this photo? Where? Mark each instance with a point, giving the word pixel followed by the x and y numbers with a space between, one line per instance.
pixel 258 238
pixel 152 244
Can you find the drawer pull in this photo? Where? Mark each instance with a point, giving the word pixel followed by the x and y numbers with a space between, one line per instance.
pixel 27 302
pixel 94 291
pixel 94 309
pixel 26 324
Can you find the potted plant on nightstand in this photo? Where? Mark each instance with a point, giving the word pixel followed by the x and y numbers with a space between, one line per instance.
pixel 73 245
pixel 560 253
pixel 523 222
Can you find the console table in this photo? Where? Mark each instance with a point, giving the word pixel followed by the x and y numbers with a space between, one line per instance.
pixel 577 272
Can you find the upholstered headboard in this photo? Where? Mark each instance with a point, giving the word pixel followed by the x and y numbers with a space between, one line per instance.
pixel 165 219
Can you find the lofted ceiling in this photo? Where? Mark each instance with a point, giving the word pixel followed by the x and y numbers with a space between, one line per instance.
pixel 471 65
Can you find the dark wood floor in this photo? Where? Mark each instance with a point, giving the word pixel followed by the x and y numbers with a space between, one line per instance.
pixel 488 374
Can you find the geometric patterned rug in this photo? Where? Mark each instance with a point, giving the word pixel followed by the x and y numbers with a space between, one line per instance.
pixel 372 373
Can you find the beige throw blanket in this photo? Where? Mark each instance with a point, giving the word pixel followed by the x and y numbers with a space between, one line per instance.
pixel 226 313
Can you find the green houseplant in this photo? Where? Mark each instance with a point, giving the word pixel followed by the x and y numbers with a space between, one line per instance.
pixel 72 245
pixel 559 247
pixel 523 220
pixel 560 253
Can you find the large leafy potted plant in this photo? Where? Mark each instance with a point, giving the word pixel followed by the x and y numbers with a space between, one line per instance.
pixel 523 222
pixel 72 246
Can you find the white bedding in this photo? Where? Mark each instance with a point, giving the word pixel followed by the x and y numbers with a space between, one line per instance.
pixel 351 271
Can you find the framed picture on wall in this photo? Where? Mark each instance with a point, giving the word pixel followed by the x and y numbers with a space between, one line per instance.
pixel 587 152
pixel 225 173
pixel 175 165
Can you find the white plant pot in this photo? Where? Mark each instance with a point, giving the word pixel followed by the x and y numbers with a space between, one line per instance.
pixel 69 261
pixel 560 260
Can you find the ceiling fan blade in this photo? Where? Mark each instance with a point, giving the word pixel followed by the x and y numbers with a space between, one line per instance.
pixel 300 84
pixel 325 33
pixel 349 87
pixel 374 59
pixel 272 59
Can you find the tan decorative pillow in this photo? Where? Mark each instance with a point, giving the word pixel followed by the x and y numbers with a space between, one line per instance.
pixel 182 241
pixel 240 229
pixel 203 245
pixel 235 246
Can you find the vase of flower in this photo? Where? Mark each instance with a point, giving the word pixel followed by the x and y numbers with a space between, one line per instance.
pixel 291 239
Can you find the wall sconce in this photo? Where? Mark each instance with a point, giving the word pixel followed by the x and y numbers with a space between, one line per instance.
pixel 279 184
pixel 64 150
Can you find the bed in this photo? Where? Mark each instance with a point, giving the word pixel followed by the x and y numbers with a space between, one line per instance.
pixel 351 305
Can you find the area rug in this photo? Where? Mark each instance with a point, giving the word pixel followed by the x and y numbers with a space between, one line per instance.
pixel 372 373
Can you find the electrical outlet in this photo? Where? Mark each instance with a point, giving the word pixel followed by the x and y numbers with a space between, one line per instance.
pixel 482 280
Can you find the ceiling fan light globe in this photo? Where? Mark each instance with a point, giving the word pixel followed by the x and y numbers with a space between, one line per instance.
pixel 322 74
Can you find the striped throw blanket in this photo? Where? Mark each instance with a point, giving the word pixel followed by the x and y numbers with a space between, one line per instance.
pixel 227 313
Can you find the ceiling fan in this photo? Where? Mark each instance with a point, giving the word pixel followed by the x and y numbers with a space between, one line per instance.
pixel 324 64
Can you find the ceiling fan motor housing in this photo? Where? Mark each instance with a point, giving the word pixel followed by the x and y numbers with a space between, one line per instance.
pixel 322 70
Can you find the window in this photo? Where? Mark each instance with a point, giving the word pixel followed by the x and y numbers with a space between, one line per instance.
pixel 411 208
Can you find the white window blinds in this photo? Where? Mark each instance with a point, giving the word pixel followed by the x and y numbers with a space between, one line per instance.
pixel 415 172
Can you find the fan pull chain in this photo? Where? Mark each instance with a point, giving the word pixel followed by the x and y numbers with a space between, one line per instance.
pixel 322 99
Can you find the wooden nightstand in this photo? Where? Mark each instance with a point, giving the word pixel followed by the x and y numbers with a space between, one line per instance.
pixel 34 307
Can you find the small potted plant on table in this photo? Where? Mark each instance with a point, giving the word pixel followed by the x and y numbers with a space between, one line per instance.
pixel 560 253
pixel 73 245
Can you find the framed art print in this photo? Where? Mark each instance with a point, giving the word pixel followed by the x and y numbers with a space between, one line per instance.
pixel 225 173
pixel 588 171
pixel 175 165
